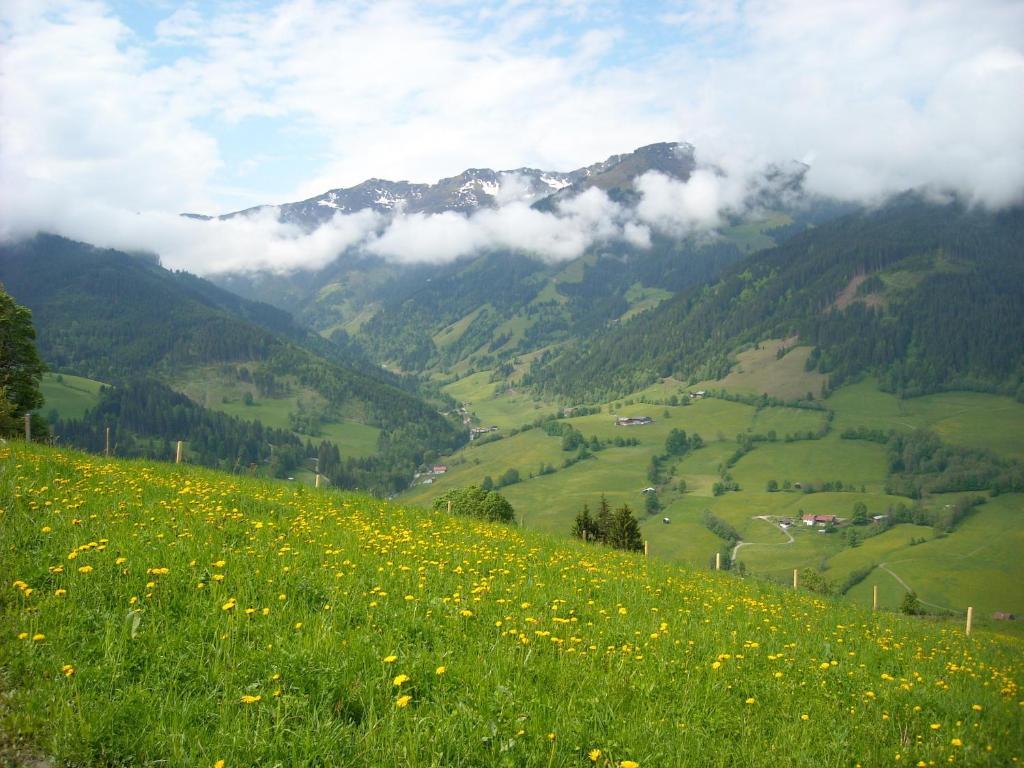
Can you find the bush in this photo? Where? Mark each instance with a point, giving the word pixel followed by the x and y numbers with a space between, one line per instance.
pixel 476 502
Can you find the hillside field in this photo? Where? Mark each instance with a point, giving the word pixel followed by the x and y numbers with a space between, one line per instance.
pixel 549 502
pixel 161 614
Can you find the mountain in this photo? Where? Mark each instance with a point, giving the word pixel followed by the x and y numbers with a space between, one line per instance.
pixel 477 188
pixel 926 296
pixel 484 310
pixel 118 317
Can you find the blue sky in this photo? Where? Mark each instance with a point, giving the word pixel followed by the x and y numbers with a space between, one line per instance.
pixel 110 109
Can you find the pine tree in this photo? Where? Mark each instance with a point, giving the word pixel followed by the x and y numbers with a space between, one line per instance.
pixel 604 519
pixel 624 532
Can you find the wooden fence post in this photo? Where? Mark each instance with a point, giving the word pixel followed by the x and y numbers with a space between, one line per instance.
pixel 180 451
pixel 970 620
pixel 796 579
pixel 646 551
pixel 449 506
pixel 317 480
pixel 718 561
pixel 106 445
pixel 874 598
pixel 28 427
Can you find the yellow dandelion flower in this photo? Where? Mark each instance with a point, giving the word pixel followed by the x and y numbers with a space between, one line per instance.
pixel 956 742
pixel 629 764
pixel 805 716
pixel 59 592
pixel 976 707
pixel 219 764
pixel 390 659
pixel 440 670
pixel 399 679
pixel 594 755
pixel 751 700
pixel 38 637
pixel 68 670
pixel 403 701
pixel 23 635
pixel 228 605
pixel 85 569
pixel 716 664
pixel 935 726
pixel 551 737
pixel 824 665
pixel 248 699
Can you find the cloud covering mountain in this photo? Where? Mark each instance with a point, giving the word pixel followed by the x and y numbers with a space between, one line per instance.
pixel 115 121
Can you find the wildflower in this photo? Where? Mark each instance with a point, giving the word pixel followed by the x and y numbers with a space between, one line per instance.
pixel 551 736
pixel 85 569
pixel 399 679
pixel 956 743
pixel 390 659
pixel 935 726
pixel 59 592
pixel 751 700
pixel 440 670
pixel 805 717
pixel 824 665
pixel 230 604
pixel 716 664
pixel 248 699
pixel 23 635
pixel 629 764
pixel 219 764
pixel 68 670
pixel 38 637
pixel 594 755
pixel 403 701
pixel 976 707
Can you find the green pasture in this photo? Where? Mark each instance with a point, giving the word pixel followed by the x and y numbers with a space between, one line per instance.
pixel 71 396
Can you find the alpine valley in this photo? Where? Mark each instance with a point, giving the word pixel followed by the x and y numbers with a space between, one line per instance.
pixel 799 385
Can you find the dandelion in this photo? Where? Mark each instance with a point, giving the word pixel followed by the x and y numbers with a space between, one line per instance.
pixel 716 664
pixel 229 605
pixel 594 755
pixel 956 742
pixel 390 659
pixel 219 764
pixel 629 764
pixel 805 717
pixel 59 592
pixel 440 670
pixel 399 679
pixel 751 700
pixel 403 701
pixel 85 569
pixel 249 699
pixel 935 726
pixel 976 707
pixel 68 670
pixel 38 637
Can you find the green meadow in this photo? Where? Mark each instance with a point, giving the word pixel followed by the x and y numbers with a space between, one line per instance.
pixel 154 614
pixel 71 396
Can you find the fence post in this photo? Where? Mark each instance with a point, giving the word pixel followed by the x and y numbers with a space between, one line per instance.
pixel 106 444
pixel 718 561
pixel 180 451
pixel 646 551
pixel 796 579
pixel 970 620
pixel 317 480
pixel 28 427
pixel 449 506
pixel 874 598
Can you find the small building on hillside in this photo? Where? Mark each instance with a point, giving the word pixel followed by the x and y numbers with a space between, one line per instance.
pixel 438 469
pixel 820 519
pixel 633 421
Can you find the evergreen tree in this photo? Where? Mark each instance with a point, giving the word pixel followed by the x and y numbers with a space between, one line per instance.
pixel 584 526
pixel 624 531
pixel 603 519
pixel 20 366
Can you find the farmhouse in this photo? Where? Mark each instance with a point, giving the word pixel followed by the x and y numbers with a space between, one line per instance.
pixel 633 421
pixel 438 469
pixel 819 519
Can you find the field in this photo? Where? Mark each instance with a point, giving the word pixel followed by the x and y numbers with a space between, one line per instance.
pixel 71 396
pixel 549 502
pixel 160 614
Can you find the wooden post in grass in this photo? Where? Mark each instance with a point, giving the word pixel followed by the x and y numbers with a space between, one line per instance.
pixel 106 444
pixel 28 427
pixel 874 598
pixel 449 506
pixel 970 620
pixel 718 561
pixel 646 551
pixel 317 479
pixel 180 451
pixel 796 579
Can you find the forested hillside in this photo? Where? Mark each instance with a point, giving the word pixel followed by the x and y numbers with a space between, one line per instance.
pixel 117 317
pixel 929 297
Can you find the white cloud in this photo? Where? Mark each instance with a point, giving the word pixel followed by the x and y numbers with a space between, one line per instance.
pixel 100 121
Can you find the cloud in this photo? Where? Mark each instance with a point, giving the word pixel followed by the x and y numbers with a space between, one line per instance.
pixel 102 118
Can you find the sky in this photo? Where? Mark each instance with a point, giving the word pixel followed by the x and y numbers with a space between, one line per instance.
pixel 116 117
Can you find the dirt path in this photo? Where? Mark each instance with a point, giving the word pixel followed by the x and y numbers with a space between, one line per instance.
pixel 766 518
pixel 902 583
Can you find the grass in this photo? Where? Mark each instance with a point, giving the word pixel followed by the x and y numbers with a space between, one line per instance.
pixel 508 410
pixel 814 462
pixel 759 371
pixel 338 629
pixel 71 396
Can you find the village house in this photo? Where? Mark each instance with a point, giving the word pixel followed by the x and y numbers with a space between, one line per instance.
pixel 633 421
pixel 438 469
pixel 820 519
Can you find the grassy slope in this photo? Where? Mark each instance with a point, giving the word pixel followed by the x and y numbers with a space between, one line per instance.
pixel 550 502
pixel 71 397
pixel 586 649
